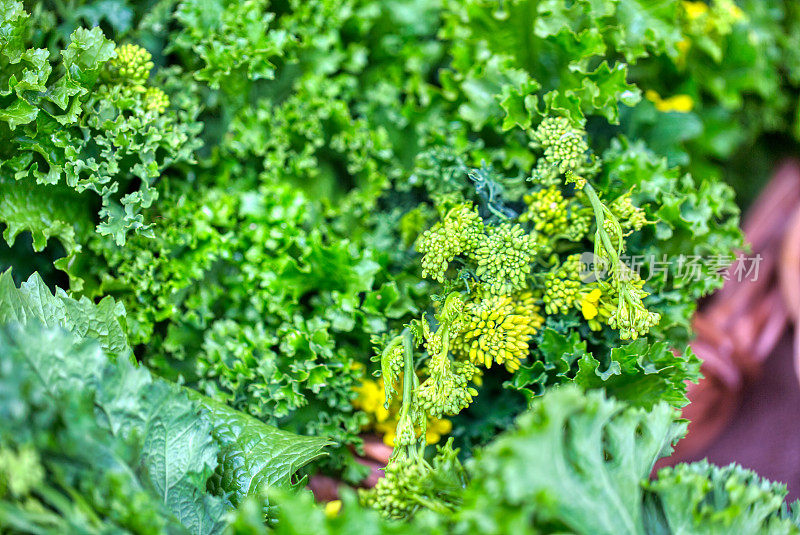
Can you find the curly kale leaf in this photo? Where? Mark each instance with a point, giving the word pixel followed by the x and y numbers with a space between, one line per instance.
pixel 32 301
pixel 705 499
pixel 62 124
pixel 575 461
pixel 257 302
pixel 231 39
pixel 641 373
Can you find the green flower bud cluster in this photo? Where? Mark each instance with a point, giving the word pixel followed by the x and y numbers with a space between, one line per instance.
pixel 504 258
pixel 406 431
pixel 410 483
pixel 627 312
pixel 390 354
pixel 449 392
pixel 547 210
pixel 396 494
pixel 553 216
pixel 432 340
pixel 127 74
pixel 564 147
pixel 616 236
pixel 621 305
pixel 446 390
pixel 570 177
pixel 630 217
pixel 155 100
pixel 460 232
pixel 497 331
pixel 580 222
pixel 132 64
pixel 562 286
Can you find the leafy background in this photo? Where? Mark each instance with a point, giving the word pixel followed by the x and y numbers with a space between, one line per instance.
pixel 248 241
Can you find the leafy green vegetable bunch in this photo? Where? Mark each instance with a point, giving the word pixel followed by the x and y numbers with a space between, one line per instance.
pixel 575 463
pixel 541 286
pixel 244 196
pixel 248 200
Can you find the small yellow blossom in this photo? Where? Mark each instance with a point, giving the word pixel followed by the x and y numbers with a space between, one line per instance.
pixel 589 304
pixel 695 10
pixel 332 508
pixel 677 103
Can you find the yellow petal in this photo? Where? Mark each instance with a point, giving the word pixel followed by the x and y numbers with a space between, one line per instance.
pixel 588 309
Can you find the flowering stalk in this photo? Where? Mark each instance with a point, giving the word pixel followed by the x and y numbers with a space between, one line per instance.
pixel 629 315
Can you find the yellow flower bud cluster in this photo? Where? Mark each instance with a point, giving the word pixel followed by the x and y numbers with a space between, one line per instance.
pixel 564 148
pixel 554 216
pixel 132 64
pixel 155 100
pixel 460 232
pixel 547 210
pixel 526 304
pixel 128 73
pixel 504 258
pixel 498 330
pixel 561 286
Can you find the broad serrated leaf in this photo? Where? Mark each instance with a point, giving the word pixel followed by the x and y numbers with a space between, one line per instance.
pixel 176 448
pixel 34 301
pixel 255 456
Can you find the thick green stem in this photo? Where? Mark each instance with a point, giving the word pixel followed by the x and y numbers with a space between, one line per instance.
pixel 599 216
pixel 408 371
pixel 409 384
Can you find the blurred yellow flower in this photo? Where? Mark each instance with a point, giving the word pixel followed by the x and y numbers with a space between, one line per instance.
pixel 370 399
pixel 437 428
pixel 384 421
pixel 695 10
pixel 677 103
pixel 332 508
